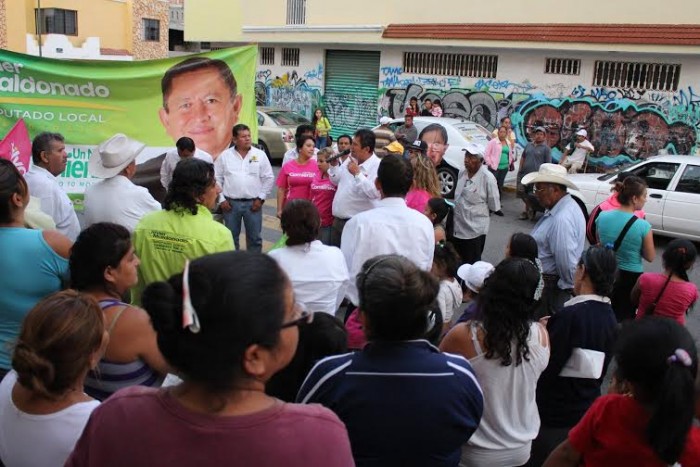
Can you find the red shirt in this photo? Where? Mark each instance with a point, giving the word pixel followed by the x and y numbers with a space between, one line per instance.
pixel 675 300
pixel 322 194
pixel 612 433
pixel 145 427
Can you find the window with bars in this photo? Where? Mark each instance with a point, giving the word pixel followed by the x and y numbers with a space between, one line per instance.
pixel 151 30
pixel 636 75
pixel 428 63
pixel 562 66
pixel 267 55
pixel 290 57
pixel 56 21
pixel 296 11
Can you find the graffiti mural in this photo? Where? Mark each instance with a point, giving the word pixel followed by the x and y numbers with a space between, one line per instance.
pixel 289 91
pixel 623 124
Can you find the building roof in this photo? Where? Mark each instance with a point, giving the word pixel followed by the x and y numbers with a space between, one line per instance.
pixel 649 34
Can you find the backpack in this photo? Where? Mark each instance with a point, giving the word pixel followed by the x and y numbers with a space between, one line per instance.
pixel 591 229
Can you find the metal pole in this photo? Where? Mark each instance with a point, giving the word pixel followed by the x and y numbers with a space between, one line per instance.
pixel 39 21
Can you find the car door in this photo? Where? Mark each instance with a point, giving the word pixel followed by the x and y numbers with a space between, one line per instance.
pixel 658 176
pixel 681 213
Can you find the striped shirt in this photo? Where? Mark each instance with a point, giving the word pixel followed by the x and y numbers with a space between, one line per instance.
pixel 109 377
pixel 403 403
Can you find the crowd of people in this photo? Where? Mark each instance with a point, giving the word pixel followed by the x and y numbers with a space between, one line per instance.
pixel 373 334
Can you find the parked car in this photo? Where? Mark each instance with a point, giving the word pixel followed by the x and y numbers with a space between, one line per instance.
pixel 673 203
pixel 459 133
pixel 276 128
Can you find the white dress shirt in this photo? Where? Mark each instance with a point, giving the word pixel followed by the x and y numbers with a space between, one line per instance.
pixel 246 177
pixel 390 228
pixel 119 201
pixel 54 201
pixel 318 274
pixel 293 154
pixel 355 194
pixel 171 160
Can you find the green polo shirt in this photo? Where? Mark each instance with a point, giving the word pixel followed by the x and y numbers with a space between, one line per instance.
pixel 164 240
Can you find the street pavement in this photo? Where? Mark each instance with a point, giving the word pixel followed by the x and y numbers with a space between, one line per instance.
pixel 501 230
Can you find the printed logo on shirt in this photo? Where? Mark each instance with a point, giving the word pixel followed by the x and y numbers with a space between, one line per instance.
pixel 324 187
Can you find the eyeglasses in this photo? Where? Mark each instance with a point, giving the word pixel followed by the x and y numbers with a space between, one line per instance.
pixel 537 189
pixel 304 317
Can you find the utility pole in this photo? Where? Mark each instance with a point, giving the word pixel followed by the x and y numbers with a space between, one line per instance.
pixel 39 24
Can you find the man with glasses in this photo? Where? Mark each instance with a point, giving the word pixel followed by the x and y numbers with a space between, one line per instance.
pixel 560 235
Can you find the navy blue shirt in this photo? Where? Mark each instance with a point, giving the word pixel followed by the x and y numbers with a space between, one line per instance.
pixel 588 324
pixel 403 403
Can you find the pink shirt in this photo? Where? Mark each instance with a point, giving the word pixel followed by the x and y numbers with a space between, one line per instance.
pixel 675 300
pixel 143 427
pixel 297 178
pixel 612 203
pixel 492 154
pixel 322 194
pixel 417 199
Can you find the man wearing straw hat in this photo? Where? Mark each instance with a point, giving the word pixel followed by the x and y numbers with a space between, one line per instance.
pixel 560 235
pixel 116 199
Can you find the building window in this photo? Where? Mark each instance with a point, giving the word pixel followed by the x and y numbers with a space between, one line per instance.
pixel 151 30
pixel 290 57
pixel 636 75
pixel 428 63
pixel 56 21
pixel 267 56
pixel 296 11
pixel 562 66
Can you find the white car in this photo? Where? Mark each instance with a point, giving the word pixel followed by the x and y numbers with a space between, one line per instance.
pixel 673 203
pixel 459 133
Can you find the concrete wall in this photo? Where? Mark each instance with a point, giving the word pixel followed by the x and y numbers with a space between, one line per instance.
pixel 624 124
pixel 231 15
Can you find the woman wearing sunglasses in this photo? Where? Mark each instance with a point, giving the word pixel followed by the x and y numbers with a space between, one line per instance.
pixel 226 325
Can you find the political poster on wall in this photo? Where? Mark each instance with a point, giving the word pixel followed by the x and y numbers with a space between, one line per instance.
pixel 155 101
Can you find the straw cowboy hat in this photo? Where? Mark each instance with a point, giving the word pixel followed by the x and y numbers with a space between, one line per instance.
pixel 549 173
pixel 113 155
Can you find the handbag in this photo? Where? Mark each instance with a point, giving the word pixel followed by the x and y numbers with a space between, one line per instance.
pixel 625 229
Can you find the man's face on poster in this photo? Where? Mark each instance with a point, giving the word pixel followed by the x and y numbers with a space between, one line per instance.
pixel 201 106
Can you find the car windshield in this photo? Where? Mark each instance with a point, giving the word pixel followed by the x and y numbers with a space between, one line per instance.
pixel 623 168
pixel 473 133
pixel 287 118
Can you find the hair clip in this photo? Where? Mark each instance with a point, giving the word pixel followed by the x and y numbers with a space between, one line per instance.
pixel 680 356
pixel 609 246
pixel 190 319
pixel 540 283
pixel 449 203
pixel 441 243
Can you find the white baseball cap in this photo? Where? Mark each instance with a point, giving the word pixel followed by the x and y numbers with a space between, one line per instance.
pixel 475 274
pixel 582 132
pixel 384 121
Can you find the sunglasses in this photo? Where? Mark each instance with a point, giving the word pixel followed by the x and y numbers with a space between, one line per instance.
pixel 305 317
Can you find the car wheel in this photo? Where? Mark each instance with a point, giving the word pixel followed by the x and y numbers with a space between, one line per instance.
pixel 448 180
pixel 263 147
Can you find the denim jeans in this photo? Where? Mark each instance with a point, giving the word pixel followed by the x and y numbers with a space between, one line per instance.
pixel 240 211
pixel 324 234
pixel 321 142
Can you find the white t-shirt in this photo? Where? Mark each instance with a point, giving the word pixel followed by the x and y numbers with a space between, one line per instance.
pixel 38 440
pixel 449 298
pixel 579 154
pixel 318 274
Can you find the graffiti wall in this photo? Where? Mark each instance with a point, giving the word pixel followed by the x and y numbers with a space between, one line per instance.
pixel 294 90
pixel 623 124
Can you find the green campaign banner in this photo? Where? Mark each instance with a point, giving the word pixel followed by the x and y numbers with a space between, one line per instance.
pixel 154 101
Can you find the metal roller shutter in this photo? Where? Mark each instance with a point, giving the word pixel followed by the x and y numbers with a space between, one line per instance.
pixel 351 97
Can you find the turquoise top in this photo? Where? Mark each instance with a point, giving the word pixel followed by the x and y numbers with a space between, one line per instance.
pixel 629 255
pixel 503 163
pixel 29 271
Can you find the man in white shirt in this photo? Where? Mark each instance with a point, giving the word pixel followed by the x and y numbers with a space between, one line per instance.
pixel 117 199
pixel 304 129
pixel 246 179
pixel 49 159
pixel 355 181
pixel 390 228
pixel 582 148
pixel 184 148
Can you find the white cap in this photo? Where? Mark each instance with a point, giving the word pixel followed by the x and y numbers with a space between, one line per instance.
pixel 475 274
pixel 473 148
pixel 384 121
pixel 582 132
